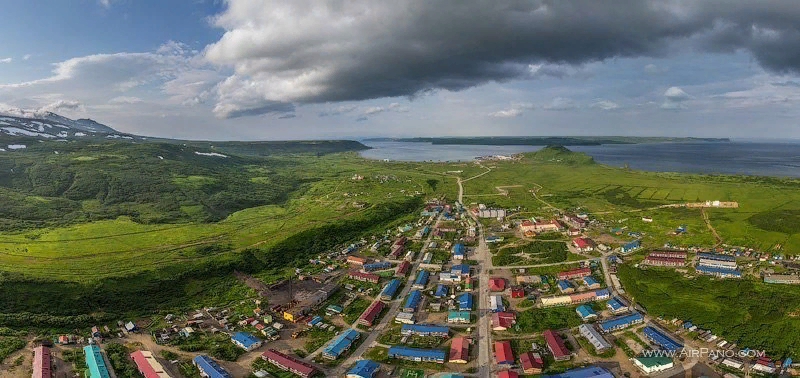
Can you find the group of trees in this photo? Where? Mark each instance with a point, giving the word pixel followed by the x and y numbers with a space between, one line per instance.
pixel 133 180
pixel 753 314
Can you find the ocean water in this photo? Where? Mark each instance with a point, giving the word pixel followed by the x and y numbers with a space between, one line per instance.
pixel 751 158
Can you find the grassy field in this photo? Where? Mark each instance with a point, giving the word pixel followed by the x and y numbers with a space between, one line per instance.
pixel 87 224
pixel 769 208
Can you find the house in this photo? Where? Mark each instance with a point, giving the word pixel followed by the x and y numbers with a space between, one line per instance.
pixel 459 317
pixel 421 280
pixel 503 353
pixel 602 294
pixel 621 322
pixel 468 284
pixel 413 301
pixel 764 365
pixel 782 279
pixel 575 221
pixel 507 374
pixel 595 338
pixel 340 344
pixel 377 266
pixel 719 272
pixel 617 305
pixel 527 226
pixel 460 270
pixel 459 350
pixel 574 273
pixel 358 261
pixel 371 313
pixel 591 283
pixel 517 292
pixel 210 368
pixel 389 290
pixel 661 339
pixel 95 362
pixel 246 341
pixel 42 362
pixel 464 302
pixel 402 268
pixel 289 363
pixel 668 253
pixel 417 354
pixel 496 303
pixel 547 226
pixel 502 321
pixel 586 312
pixel 565 287
pixel 441 291
pixel 733 363
pixel 364 369
pixel 663 261
pixel 532 363
pixel 497 284
pixel 186 331
pixel 424 330
pixel 556 345
pixel 591 371
pixel 459 252
pixel 630 247
pixel 405 318
pixel 583 244
pixel 651 365
pixel 148 366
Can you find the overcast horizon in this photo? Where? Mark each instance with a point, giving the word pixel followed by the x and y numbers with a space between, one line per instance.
pixel 333 69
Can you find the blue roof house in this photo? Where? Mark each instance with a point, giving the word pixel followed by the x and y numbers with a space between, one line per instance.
pixel 441 291
pixel 585 312
pixel 246 341
pixel 421 280
pixel 412 301
pixel 209 368
pixel 632 246
pixel 364 369
pixel 464 302
pixel 340 344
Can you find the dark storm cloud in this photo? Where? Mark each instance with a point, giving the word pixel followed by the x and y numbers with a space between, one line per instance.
pixel 312 51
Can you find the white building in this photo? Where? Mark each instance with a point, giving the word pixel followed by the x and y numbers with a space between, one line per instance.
pixel 594 337
pixel 650 365
pixel 733 363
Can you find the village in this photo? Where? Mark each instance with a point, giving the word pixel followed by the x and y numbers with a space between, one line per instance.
pixel 449 295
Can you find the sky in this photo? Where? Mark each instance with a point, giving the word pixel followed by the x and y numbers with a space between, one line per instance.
pixel 315 69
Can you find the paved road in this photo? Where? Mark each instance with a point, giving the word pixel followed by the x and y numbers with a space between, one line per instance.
pixel 541 265
pixel 371 339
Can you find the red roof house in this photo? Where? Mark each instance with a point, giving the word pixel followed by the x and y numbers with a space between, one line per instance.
pixel 517 292
pixel 148 365
pixel 502 321
pixel 369 315
pixel 41 362
pixel 288 363
pixel 503 353
pixel 402 269
pixel 507 374
pixel 556 345
pixel 497 284
pixel 583 244
pixel 532 363
pixel 575 273
pixel 459 350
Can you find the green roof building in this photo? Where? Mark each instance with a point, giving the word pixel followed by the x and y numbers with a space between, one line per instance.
pixel 95 363
pixel 650 365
